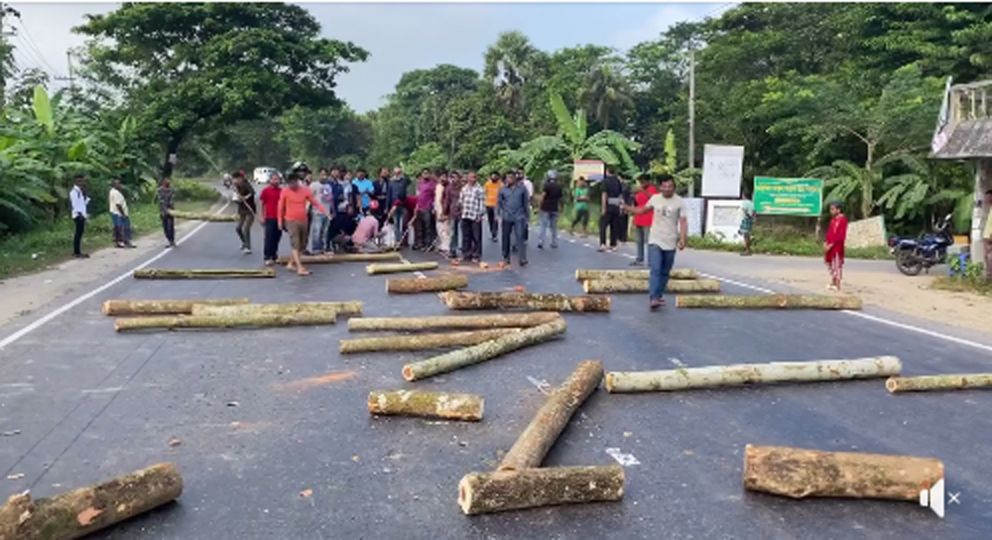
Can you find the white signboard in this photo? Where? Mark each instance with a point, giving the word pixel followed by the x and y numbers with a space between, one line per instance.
pixel 723 220
pixel 694 215
pixel 722 170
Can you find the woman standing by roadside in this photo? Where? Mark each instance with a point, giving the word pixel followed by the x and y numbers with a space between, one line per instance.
pixel 833 245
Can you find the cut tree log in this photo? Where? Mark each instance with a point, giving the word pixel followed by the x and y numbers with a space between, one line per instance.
pixel 341 308
pixel 496 320
pixel 511 300
pixel 222 321
pixel 585 274
pixel 741 374
pixel 542 432
pixel 480 493
pixel 163 307
pixel 483 351
pixel 799 473
pixel 80 512
pixel 446 282
pixel 939 382
pixel 420 342
pixel 386 268
pixel 203 216
pixel 428 404
pixel 332 258
pixel 213 273
pixel 770 301
pixel 641 286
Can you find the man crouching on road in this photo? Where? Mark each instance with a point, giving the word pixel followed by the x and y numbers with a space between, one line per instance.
pixel 669 228
pixel 293 218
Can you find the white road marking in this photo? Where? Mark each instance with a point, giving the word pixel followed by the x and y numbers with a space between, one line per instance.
pixel 66 307
pixel 676 361
pixel 418 273
pixel 541 385
pixel 625 460
pixel 111 390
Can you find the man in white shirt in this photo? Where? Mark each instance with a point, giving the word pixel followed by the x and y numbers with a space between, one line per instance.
pixel 78 201
pixel 669 229
pixel 120 216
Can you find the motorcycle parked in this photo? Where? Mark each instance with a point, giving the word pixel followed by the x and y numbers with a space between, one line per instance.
pixel 916 254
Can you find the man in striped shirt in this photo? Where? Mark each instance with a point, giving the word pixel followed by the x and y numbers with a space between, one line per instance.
pixel 472 200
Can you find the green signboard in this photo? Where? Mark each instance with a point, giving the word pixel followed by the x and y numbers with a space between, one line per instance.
pixel 788 196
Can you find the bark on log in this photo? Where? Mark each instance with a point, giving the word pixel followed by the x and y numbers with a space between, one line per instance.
pixel 213 273
pixel 447 282
pixel 591 286
pixel 480 493
pixel 741 374
pixel 770 301
pixel 163 307
pixel 203 216
pixel 536 301
pixel 341 308
pixel 420 342
pixel 332 258
pixel 585 274
pixel 387 268
pixel 496 320
pixel 427 404
pixel 551 419
pixel 799 473
pixel 80 512
pixel 939 382
pixel 221 321
pixel 483 351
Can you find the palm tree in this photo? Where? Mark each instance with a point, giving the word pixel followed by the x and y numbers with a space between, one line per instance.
pixel 607 94
pixel 509 64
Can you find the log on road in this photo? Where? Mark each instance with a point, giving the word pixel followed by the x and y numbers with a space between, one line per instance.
pixel 427 404
pixel 122 307
pixel 446 282
pixel 203 216
pixel 82 511
pixel 496 320
pixel 799 473
pixel 641 286
pixel 480 493
pixel 420 342
pixel 522 300
pixel 386 268
pixel 332 258
pixel 483 351
pixel 741 374
pixel 770 301
pixel 222 321
pixel 939 382
pixel 213 273
pixel 341 308
pixel 551 419
pixel 585 274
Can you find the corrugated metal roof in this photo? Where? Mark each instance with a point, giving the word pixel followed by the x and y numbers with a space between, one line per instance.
pixel 969 139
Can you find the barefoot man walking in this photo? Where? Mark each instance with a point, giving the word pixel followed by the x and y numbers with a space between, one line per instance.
pixel 293 218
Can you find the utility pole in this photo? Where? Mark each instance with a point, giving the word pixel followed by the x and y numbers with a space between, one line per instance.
pixel 72 79
pixel 692 118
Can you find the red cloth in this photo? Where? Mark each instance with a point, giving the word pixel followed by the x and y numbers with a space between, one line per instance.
pixel 640 199
pixel 836 234
pixel 270 201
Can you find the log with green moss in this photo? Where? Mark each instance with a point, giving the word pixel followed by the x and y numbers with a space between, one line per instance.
pixel 480 493
pixel 585 274
pixel 495 320
pixel 427 404
pixel 333 258
pixel 446 282
pixel 421 341
pixel 341 308
pixel 523 300
pixel 925 383
pixel 86 510
pixel 386 268
pixel 203 216
pixel 641 286
pixel 224 321
pixel 164 307
pixel 212 273
pixel 483 351
pixel 770 301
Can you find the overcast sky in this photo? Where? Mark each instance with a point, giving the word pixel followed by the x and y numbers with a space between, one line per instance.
pixel 400 37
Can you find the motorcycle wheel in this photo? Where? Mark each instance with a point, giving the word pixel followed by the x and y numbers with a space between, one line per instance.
pixel 907 263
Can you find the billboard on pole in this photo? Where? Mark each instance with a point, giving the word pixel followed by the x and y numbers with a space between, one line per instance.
pixel 788 196
pixel 722 169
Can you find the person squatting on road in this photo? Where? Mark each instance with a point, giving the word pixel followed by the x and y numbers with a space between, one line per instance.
pixel 669 228
pixel 165 195
pixel 270 213
pixel 78 204
pixel 833 245
pixel 550 207
pixel 244 195
pixel 513 205
pixel 293 218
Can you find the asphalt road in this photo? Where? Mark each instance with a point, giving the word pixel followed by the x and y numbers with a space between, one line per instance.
pixel 90 404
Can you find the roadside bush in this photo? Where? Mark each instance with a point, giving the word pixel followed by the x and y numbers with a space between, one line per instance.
pixel 192 190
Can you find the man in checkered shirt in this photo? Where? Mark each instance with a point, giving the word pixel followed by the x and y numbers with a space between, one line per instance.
pixel 473 203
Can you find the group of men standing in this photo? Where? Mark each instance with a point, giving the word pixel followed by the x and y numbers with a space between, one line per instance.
pixel 79 211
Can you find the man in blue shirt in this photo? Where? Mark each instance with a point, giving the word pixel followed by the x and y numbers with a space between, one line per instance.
pixel 513 206
pixel 363 189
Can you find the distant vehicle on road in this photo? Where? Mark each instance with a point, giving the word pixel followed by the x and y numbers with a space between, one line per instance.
pixel 261 175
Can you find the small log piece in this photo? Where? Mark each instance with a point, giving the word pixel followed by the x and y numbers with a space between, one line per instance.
pixel 119 308
pixel 522 300
pixel 446 282
pixel 480 493
pixel 427 404
pixel 770 301
pixel 387 268
pixel 496 320
pixel 939 382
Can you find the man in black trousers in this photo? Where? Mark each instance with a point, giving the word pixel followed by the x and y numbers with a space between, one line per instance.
pixel 78 201
pixel 609 212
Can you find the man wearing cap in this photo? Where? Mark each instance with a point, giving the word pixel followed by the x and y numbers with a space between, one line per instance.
pixel 550 206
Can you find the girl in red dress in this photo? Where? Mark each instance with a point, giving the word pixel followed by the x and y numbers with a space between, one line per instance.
pixel 833 245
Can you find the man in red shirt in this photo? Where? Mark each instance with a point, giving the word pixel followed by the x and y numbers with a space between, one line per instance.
pixel 642 222
pixel 270 212
pixel 292 215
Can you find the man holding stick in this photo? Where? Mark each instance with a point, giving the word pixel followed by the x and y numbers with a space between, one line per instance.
pixel 245 196
pixel 669 229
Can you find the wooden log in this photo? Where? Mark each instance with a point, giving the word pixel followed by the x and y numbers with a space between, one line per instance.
pixel 213 273
pixel 641 286
pixel 203 216
pixel 387 268
pixel 939 382
pixel 163 307
pixel 333 258
pixel 496 320
pixel 585 274
pixel 446 282
pixel 80 512
pixel 341 308
pixel 522 300
pixel 483 351
pixel 484 492
pixel 420 342
pixel 741 374
pixel 799 473
pixel 770 301
pixel 542 432
pixel 222 321
pixel 428 404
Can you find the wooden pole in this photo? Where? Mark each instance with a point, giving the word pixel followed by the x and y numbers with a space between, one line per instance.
pixel 333 258
pixel 203 216
pixel 939 382
pixel 387 268
pixel 769 301
pixel 419 342
pixel 446 282
pixel 221 321
pixel 483 351
pixel 480 493
pixel 341 308
pixel 496 320
pixel 163 307
pixel 427 404
pixel 537 301
pixel 585 274
pixel 800 473
pixel 80 512
pixel 593 286
pixel 551 419
pixel 741 374
pixel 216 273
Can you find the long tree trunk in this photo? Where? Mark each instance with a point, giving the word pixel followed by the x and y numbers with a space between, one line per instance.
pixel 341 308
pixel 495 320
pixel 212 273
pixel 583 274
pixel 593 286
pixel 419 342
pixel 939 382
pixel 331 258
pixel 480 493
pixel 203 216
pixel 769 301
pixel 221 321
pixel 428 404
pixel 386 268
pixel 119 307
pixel 446 282
pixel 537 301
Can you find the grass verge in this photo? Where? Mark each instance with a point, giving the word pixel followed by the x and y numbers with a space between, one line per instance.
pixel 978 285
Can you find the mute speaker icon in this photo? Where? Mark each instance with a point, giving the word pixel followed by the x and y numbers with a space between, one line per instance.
pixel 934 498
